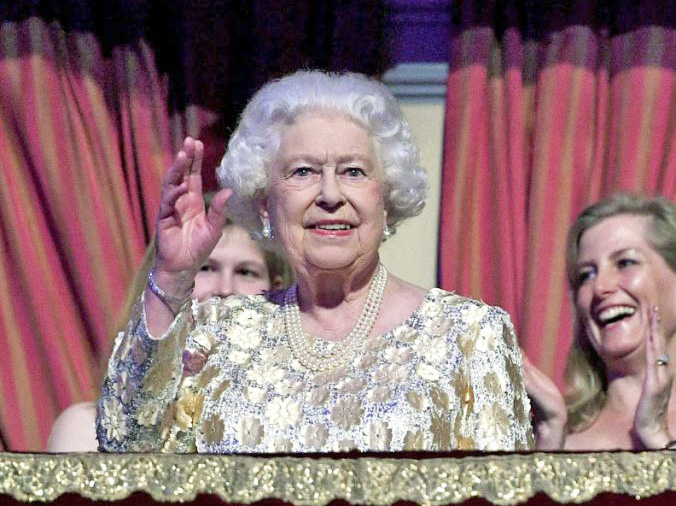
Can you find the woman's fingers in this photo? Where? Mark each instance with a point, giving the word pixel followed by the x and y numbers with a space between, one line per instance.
pixel 185 233
pixel 183 163
pixel 530 376
pixel 176 172
pixel 183 176
pixel 549 408
pixel 188 162
pixel 218 209
pixel 169 198
pixel 657 372
pixel 196 155
pixel 651 353
pixel 650 420
pixel 547 400
pixel 536 381
pixel 194 150
pixel 659 341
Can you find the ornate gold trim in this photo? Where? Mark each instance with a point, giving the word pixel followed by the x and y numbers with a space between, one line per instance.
pixel 501 479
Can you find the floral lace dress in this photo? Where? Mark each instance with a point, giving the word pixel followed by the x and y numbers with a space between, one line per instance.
pixel 223 379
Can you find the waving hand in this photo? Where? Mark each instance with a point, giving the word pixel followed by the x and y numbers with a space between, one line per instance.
pixel 185 233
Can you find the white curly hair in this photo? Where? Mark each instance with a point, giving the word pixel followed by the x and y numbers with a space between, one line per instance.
pixel 254 144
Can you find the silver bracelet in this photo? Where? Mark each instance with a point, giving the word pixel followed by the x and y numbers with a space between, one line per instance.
pixel 173 303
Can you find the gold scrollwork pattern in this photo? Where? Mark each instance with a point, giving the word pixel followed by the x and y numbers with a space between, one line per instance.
pixel 500 479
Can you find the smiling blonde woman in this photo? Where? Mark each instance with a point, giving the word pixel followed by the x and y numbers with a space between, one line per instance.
pixel 621 262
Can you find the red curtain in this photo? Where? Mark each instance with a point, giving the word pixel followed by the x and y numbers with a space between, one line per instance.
pixel 76 127
pixel 550 107
pixel 95 97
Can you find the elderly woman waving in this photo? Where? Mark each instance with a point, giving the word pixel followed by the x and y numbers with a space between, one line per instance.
pixel 348 357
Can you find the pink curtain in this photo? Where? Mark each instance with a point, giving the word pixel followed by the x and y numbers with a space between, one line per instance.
pixel 84 142
pixel 550 107
pixel 85 138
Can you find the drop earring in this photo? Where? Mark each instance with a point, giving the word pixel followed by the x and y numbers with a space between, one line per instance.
pixel 387 233
pixel 267 229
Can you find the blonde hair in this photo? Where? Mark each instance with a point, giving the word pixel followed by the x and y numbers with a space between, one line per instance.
pixel 278 268
pixel 585 371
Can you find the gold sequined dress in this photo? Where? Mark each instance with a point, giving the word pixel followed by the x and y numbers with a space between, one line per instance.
pixel 223 379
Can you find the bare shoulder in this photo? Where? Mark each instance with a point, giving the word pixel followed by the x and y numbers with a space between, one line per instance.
pixel 74 429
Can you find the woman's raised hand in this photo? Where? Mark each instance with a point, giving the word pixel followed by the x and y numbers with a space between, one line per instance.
pixel 185 233
pixel 651 418
pixel 549 408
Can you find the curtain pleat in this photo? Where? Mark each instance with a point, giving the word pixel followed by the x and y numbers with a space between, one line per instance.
pixel 84 142
pixel 549 108
pixel 95 97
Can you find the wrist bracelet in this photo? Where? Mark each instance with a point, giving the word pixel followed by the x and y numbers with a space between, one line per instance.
pixel 173 303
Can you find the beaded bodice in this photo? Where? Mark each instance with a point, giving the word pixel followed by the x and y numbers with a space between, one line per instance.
pixel 449 377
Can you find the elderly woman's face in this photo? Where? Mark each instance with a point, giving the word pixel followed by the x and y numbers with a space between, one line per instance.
pixel 325 197
pixel 620 277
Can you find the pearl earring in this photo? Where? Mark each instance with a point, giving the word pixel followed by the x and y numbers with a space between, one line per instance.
pixel 267 229
pixel 387 233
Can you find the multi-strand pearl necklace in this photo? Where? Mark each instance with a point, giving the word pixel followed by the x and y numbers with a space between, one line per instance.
pixel 319 354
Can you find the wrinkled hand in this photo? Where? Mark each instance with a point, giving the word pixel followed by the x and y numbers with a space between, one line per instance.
pixel 651 418
pixel 549 408
pixel 185 233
